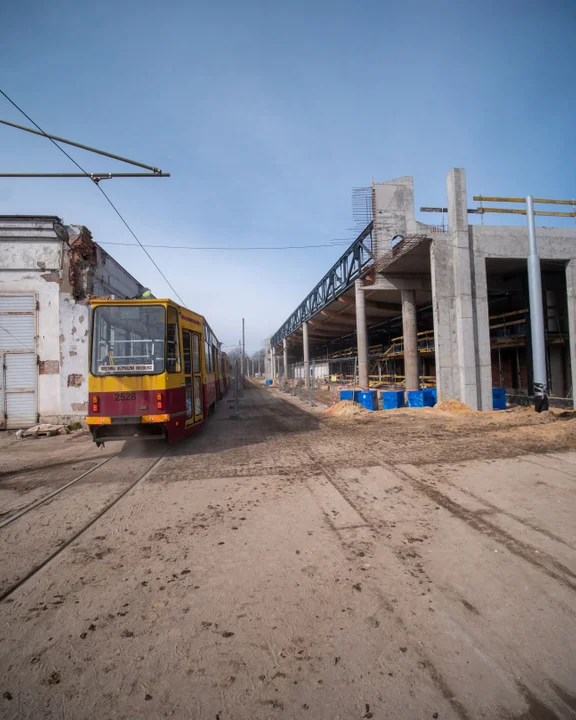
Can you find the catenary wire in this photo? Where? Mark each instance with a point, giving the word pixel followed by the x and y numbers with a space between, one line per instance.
pixel 99 188
pixel 190 247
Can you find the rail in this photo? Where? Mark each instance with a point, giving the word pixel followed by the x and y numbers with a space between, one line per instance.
pixel 340 278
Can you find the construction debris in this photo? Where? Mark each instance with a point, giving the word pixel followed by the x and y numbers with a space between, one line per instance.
pixel 43 430
pixel 346 408
pixel 453 406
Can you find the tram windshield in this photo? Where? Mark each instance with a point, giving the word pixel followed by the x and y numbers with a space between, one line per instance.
pixel 128 340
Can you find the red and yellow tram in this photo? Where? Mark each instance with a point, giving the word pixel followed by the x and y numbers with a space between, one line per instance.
pixel 156 370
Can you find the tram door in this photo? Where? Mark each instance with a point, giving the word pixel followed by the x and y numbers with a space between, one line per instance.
pixel 192 376
pixel 188 382
pixel 197 377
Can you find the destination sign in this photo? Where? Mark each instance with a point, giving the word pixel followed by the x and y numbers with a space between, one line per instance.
pixel 120 369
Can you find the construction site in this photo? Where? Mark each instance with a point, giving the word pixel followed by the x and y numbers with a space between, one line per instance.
pixel 446 306
pixel 381 528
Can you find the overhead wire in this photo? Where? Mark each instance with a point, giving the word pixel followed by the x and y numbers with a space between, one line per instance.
pixel 190 247
pixel 95 181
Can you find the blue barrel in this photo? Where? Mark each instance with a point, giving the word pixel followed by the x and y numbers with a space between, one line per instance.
pixel 499 398
pixel 268 382
pixel 392 399
pixel 415 398
pixel 351 395
pixel 368 399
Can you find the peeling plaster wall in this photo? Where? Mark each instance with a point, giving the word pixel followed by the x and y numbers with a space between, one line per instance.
pixel 30 262
pixel 34 260
pixel 74 350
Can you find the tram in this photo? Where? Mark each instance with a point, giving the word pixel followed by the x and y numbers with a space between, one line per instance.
pixel 156 370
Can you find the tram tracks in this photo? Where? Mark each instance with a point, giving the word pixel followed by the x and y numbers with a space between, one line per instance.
pixel 17 568
pixel 44 499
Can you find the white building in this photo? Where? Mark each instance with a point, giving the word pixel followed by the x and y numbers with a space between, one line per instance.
pixel 47 273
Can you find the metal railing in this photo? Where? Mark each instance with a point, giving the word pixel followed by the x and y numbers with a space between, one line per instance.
pixel 341 277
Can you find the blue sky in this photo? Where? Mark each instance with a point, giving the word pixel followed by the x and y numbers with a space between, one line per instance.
pixel 268 114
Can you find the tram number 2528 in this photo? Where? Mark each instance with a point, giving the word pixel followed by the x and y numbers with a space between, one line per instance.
pixel 124 396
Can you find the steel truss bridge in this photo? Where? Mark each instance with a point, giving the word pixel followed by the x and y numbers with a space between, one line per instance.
pixel 352 265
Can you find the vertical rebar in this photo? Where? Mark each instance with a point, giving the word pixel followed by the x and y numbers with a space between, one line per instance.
pixel 539 379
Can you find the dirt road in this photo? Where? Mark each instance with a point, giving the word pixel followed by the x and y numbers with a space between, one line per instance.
pixel 293 565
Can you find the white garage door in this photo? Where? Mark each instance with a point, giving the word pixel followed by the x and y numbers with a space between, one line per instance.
pixel 18 379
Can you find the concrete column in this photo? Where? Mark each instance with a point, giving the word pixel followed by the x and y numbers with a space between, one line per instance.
pixel 460 305
pixel 306 350
pixel 273 363
pixel 361 335
pixel 442 277
pixel 482 329
pixel 285 348
pixel 571 297
pixel 467 380
pixel 409 328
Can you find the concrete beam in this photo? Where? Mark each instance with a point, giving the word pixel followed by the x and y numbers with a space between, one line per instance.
pixel 339 316
pixel 406 282
pixel 372 304
pixel 329 325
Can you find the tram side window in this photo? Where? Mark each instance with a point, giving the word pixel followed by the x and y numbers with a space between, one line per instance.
pixel 173 342
pixel 196 352
pixel 208 357
pixel 187 353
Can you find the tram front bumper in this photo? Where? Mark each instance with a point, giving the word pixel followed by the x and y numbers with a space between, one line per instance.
pixel 142 427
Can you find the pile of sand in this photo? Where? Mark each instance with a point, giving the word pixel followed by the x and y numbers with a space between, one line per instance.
pixel 346 409
pixel 453 406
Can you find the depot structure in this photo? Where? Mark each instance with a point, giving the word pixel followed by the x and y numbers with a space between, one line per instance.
pixel 412 304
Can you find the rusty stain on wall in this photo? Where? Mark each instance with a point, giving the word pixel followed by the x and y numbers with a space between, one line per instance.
pixel 49 367
pixel 73 353
pixel 75 380
pixel 73 329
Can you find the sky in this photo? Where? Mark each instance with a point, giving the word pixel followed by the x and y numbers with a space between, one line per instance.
pixel 267 115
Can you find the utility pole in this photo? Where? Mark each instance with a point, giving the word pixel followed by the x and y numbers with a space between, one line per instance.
pixel 539 380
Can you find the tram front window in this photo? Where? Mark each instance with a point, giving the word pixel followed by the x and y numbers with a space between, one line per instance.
pixel 128 339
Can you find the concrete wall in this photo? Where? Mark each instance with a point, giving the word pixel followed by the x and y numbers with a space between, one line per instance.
pixel 74 352
pixel 393 211
pixel 31 263
pixel 110 278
